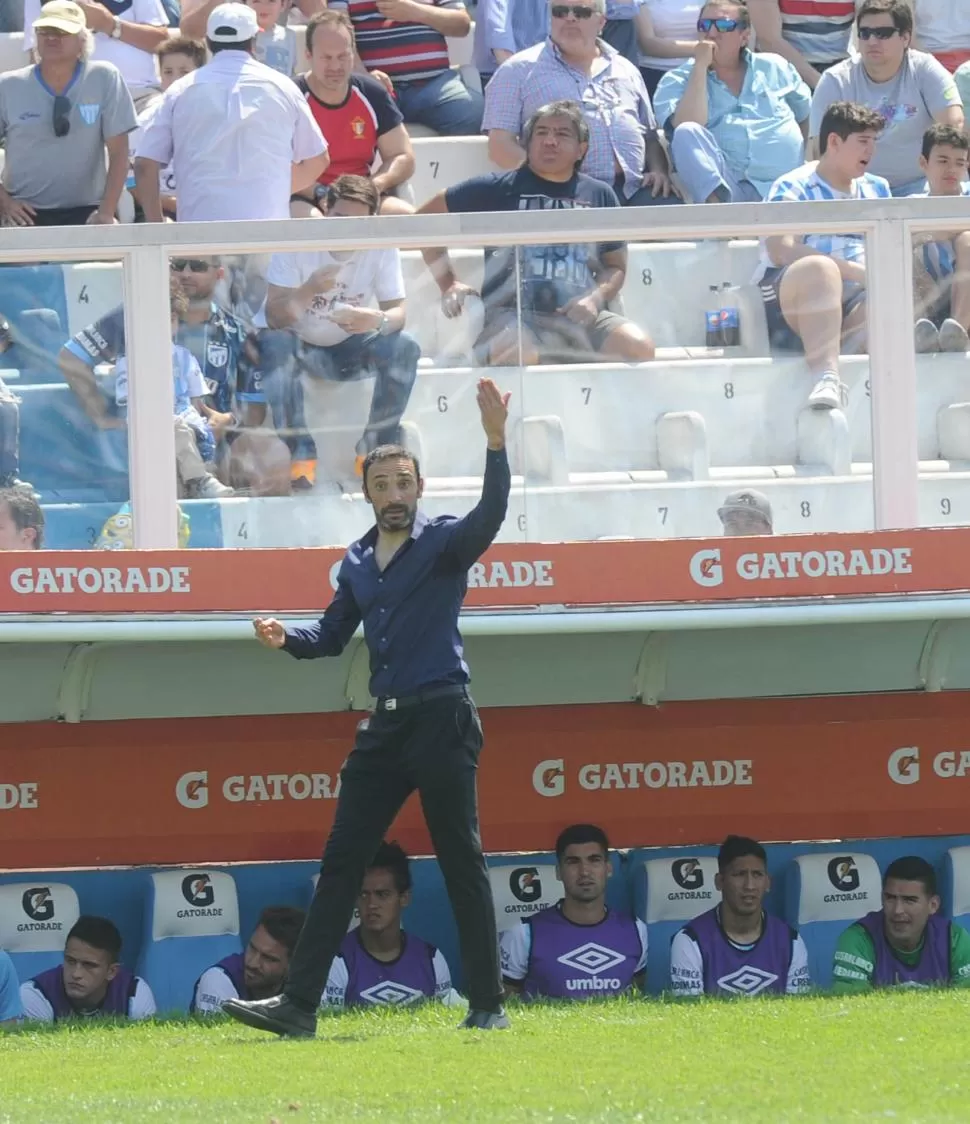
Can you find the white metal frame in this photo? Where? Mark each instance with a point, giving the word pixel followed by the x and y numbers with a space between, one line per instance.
pixel 888 226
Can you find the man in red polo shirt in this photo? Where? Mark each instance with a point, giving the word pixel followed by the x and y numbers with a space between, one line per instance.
pixel 406 40
pixel 355 113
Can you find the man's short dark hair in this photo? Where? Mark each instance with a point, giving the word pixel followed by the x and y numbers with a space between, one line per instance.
pixel 392 857
pixel 571 110
pixel 193 49
pixel 25 512
pixel 579 833
pixel 98 932
pixel 739 847
pixel 744 16
pixel 331 18
pixel 899 10
pixel 948 135
pixel 845 118
pixel 284 924
pixel 385 453
pixel 355 189
pixel 216 48
pixel 912 868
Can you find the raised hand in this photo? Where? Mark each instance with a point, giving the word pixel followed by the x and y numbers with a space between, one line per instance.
pixel 493 405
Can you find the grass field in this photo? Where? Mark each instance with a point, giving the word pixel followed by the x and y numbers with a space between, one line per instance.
pixel 899 1056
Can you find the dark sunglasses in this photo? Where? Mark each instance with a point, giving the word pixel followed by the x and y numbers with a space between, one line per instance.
pixel 877 32
pixel 195 265
pixel 560 11
pixel 62 115
pixel 721 24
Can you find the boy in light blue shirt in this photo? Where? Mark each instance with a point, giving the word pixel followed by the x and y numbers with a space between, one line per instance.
pixel 11 1011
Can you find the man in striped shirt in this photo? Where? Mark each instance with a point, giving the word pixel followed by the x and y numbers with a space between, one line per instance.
pixel 812 34
pixel 406 41
pixel 814 285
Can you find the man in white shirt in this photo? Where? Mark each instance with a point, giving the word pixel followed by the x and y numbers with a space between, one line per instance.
pixel 126 33
pixel 90 982
pixel 339 317
pixel 240 136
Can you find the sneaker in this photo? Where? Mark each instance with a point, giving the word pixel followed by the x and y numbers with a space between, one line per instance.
pixel 485 1020
pixel 279 1015
pixel 953 336
pixel 209 488
pixel 926 337
pixel 303 475
pixel 828 393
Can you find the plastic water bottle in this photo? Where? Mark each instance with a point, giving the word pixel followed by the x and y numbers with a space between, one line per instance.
pixel 712 320
pixel 730 317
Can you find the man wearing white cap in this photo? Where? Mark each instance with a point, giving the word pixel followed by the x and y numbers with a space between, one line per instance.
pixel 57 119
pixel 746 512
pixel 241 137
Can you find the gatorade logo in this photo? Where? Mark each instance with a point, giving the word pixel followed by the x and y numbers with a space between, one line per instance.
pixel 38 903
pixel 688 873
pixel 197 890
pixel 706 568
pixel 843 873
pixel 548 779
pixel 525 884
pixel 192 790
pixel 903 765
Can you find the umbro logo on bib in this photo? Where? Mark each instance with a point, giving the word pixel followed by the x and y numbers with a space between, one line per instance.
pixel 391 994
pixel 747 981
pixel 592 958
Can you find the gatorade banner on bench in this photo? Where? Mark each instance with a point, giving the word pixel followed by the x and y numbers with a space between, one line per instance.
pixel 524 575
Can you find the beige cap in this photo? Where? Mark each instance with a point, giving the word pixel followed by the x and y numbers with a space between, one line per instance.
pixel 62 15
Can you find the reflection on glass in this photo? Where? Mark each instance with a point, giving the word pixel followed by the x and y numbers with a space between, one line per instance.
pixel 63 447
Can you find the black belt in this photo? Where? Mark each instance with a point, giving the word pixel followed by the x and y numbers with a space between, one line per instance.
pixel 386 702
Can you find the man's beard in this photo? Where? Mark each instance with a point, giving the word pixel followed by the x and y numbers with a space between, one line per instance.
pixel 394 522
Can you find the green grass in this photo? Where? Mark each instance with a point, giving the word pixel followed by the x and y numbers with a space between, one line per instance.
pixel 899 1056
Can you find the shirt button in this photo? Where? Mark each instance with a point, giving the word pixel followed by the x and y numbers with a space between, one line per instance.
pixel 380 581
pixel 382 610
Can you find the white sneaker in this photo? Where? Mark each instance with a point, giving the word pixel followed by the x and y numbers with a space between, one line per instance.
pixel 209 488
pixel 829 393
pixel 926 337
pixel 953 336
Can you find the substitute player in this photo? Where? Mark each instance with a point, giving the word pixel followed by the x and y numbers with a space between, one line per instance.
pixel 737 948
pixel 578 948
pixel 906 942
pixel 405 579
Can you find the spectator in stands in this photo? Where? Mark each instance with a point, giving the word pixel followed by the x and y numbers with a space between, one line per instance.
pixel 21 519
pixel 277 45
pixel 11 1010
pixel 941 261
pixel 737 120
pixel 620 29
pixel 746 512
pixel 908 88
pixel 738 948
pixel 195 14
pixel 504 27
pixel 942 27
pixel 337 316
pixel 205 127
pixel 558 311
pixel 126 33
pixel 543 955
pixel 667 32
pixel 814 286
pixel 812 35
pixel 379 964
pixel 907 942
pixel 407 41
pixel 12 16
pixel 355 113
pixel 9 421
pixel 91 980
pixel 57 119
pixel 574 64
pixel 177 57
pixel 257 973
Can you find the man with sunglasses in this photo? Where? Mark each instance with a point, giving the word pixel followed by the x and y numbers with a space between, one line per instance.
pixel 736 120
pixel 909 89
pixel 57 119
pixel 575 64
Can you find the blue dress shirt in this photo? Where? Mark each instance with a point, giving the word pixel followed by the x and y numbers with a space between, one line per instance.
pixel 410 610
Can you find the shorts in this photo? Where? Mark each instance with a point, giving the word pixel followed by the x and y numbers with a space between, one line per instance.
pixel 781 336
pixel 558 339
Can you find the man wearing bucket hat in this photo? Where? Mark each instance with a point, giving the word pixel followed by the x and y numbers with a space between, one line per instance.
pixel 229 162
pixel 746 512
pixel 57 121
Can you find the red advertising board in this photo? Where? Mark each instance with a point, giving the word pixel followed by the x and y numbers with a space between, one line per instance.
pixel 263 788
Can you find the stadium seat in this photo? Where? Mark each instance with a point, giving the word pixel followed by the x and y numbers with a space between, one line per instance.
pixel 824 894
pixel 523 888
pixel 35 918
pixel 441 162
pixel 91 288
pixel 667 893
pixel 191 922
pixel 956 885
pixel 12 53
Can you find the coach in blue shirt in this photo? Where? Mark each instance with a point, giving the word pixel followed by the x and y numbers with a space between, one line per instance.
pixel 405 579
pixel 736 120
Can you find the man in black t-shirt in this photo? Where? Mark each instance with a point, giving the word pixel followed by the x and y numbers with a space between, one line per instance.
pixel 563 289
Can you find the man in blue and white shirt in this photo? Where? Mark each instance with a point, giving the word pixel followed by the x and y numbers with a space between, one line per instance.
pixel 941 259
pixel 814 285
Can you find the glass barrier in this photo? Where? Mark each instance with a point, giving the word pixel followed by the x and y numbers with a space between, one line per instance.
pixel 63 437
pixel 941 317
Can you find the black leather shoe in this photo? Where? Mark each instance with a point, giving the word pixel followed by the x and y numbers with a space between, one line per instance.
pixel 485 1020
pixel 278 1015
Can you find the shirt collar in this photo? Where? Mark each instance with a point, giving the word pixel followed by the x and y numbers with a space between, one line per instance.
pixel 606 51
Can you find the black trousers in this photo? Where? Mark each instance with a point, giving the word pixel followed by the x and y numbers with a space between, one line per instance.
pixel 432 747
